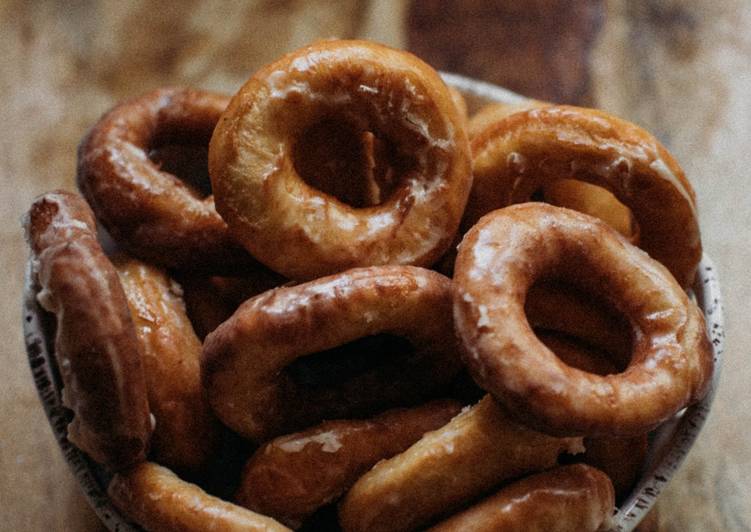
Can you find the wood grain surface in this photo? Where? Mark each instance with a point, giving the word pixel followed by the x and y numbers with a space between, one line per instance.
pixel 680 68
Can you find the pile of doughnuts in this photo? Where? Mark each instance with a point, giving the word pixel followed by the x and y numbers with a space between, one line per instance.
pixel 336 301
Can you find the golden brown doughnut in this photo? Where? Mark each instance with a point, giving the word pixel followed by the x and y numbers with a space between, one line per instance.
pixel 494 112
pixel 347 89
pixel 150 212
pixel 292 476
pixel 186 430
pixel 245 358
pixel 510 249
pixel 159 501
pixel 518 155
pixel 97 351
pixel 565 499
pixel 478 449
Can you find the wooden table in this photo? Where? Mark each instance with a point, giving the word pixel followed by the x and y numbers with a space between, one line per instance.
pixel 682 69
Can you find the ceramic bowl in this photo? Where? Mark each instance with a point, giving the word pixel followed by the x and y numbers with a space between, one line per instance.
pixel 668 444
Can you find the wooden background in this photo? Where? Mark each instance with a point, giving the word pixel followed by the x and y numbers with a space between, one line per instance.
pixel 681 68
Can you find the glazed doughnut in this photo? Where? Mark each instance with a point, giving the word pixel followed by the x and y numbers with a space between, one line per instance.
pixel 347 90
pixel 150 212
pixel 159 501
pixel 575 497
pixel 186 431
pixel 518 155
pixel 292 476
pixel 491 113
pixel 510 249
pixel 245 358
pixel 97 351
pixel 595 201
pixel 478 449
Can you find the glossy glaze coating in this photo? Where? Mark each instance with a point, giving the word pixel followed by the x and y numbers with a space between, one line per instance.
pixel 516 156
pixel 244 358
pixel 304 233
pixel 151 213
pixel 159 501
pixel 292 476
pixel 97 351
pixel 505 253
pixel 565 499
pixel 186 430
pixel 447 468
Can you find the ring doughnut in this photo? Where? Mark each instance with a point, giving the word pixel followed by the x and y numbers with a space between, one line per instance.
pixel 186 431
pixel 575 497
pixel 152 213
pixel 516 156
pixel 510 249
pixel 159 501
pixel 446 468
pixel 351 90
pixel 292 476
pixel 96 347
pixel 244 358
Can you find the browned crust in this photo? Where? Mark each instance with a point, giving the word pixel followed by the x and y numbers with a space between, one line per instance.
pixel 96 347
pixel 575 497
pixel 516 156
pixel 505 253
pixel 292 476
pixel 186 430
pixel 157 500
pixel 304 233
pixel 449 467
pixel 152 213
pixel 244 358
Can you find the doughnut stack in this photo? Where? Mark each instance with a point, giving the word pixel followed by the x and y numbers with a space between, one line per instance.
pixel 338 302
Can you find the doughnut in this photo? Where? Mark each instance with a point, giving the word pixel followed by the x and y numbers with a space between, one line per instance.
pixel 512 248
pixel 159 501
pixel 575 497
pixel 595 201
pixel 518 155
pixel 150 212
pixel 292 476
pixel 334 96
pixel 491 113
pixel 97 351
pixel 186 430
pixel 475 451
pixel 247 361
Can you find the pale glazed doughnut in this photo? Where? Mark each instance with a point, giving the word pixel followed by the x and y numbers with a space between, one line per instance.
pixel 302 232
pixel 244 358
pixel 565 499
pixel 292 476
pixel 186 430
pixel 152 213
pixel 97 351
pixel 478 449
pixel 510 249
pixel 159 501
pixel 519 154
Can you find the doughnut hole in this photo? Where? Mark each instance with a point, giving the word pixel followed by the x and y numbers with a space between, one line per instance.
pixel 367 357
pixel 593 200
pixel 187 162
pixel 583 330
pixel 359 167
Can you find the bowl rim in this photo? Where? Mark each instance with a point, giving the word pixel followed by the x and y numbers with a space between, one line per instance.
pixel 682 429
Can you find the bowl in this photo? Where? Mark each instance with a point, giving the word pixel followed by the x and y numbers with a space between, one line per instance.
pixel 668 444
